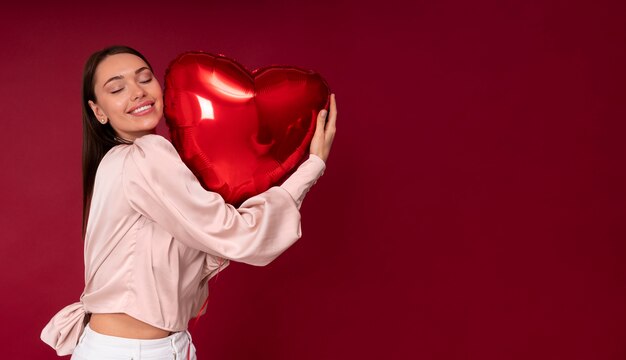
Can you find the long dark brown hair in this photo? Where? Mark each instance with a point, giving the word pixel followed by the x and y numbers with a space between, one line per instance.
pixel 97 138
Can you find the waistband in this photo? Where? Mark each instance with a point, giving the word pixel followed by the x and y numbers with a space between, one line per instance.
pixel 178 339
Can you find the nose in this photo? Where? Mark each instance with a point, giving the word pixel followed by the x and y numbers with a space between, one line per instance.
pixel 138 92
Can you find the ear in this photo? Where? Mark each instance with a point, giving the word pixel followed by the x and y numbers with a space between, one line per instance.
pixel 97 110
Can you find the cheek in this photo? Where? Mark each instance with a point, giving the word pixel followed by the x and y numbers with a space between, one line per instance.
pixel 115 110
pixel 121 101
pixel 111 106
pixel 155 90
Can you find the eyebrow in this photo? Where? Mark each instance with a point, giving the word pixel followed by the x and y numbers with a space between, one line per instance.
pixel 120 77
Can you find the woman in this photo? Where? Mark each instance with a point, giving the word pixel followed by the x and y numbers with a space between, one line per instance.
pixel 153 235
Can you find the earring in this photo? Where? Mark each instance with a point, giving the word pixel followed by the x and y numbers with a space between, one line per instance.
pixel 103 120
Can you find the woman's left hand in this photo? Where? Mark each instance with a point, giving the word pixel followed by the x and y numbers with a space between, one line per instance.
pixel 325 131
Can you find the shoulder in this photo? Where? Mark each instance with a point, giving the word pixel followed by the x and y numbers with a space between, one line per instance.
pixel 153 149
pixel 152 157
pixel 146 142
pixel 153 142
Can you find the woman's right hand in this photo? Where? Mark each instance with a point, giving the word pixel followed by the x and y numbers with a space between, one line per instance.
pixel 325 131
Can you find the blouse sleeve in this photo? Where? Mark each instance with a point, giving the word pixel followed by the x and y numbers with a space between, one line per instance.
pixel 159 185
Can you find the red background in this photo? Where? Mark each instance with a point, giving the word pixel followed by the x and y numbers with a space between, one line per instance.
pixel 474 202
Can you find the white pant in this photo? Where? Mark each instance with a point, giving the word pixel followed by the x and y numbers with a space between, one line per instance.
pixel 96 346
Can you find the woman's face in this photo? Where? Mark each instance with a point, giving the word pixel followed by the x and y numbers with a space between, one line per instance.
pixel 128 95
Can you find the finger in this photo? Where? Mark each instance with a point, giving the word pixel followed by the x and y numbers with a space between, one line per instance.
pixel 329 136
pixel 321 121
pixel 332 115
pixel 331 124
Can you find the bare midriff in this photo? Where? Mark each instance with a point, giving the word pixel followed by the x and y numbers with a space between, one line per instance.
pixel 125 326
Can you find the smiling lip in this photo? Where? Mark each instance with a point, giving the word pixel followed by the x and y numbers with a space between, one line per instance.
pixel 143 112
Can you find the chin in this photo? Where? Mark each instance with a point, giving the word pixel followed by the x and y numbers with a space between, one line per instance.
pixel 151 121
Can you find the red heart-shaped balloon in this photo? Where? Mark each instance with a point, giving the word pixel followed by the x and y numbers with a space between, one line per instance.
pixel 241 132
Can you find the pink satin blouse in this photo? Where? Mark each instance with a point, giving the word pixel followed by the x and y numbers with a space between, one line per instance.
pixel 155 237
